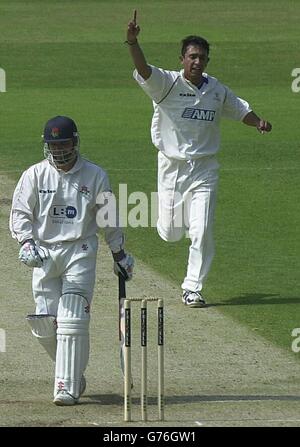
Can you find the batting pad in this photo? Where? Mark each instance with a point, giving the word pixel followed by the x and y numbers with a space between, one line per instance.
pixel 43 327
pixel 72 352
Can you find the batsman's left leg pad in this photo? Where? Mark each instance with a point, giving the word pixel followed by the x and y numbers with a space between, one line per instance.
pixel 72 353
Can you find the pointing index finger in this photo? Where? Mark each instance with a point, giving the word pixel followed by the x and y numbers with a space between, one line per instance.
pixel 134 17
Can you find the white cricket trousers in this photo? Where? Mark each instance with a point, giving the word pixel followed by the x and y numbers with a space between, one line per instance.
pixel 70 269
pixel 186 204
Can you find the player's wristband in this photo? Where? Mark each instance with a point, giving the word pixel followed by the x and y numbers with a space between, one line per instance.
pixel 119 256
pixel 131 43
pixel 28 240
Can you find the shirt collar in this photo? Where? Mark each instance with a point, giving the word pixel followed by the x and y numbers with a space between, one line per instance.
pixel 77 165
pixel 204 79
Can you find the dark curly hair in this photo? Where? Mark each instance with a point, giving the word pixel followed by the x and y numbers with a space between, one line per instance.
pixel 194 40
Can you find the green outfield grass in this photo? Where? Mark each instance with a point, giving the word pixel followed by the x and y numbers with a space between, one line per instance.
pixel 68 57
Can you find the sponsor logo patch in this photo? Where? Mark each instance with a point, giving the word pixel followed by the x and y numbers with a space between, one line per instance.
pixel 187 94
pixel 198 114
pixel 62 211
pixel 47 191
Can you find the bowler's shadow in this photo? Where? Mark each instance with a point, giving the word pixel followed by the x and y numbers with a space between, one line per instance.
pixel 248 299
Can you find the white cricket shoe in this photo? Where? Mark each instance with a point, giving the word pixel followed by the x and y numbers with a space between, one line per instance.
pixel 193 299
pixel 63 398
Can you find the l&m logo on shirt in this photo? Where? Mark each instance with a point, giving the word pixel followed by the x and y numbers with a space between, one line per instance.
pixel 198 114
pixel 62 211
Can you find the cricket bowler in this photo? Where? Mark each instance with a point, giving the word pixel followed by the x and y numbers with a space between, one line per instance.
pixel 188 108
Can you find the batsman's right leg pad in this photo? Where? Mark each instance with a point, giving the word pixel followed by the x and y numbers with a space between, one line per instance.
pixel 43 327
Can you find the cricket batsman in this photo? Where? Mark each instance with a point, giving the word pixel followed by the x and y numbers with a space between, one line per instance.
pixel 54 219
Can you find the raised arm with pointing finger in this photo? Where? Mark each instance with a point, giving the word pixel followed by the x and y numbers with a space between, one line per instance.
pixel 136 52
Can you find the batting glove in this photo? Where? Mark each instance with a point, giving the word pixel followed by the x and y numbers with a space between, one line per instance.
pixel 125 267
pixel 32 255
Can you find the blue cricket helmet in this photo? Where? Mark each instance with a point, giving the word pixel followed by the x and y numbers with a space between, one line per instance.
pixel 60 129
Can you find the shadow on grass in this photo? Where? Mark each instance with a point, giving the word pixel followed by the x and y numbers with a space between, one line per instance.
pixel 117 399
pixel 256 298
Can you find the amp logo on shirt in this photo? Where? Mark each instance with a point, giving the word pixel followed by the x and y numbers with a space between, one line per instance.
pixel 63 211
pixel 198 114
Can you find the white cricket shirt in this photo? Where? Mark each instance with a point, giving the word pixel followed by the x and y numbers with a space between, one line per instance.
pixel 52 206
pixel 186 120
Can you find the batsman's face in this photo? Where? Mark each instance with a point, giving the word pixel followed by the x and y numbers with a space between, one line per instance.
pixel 194 63
pixel 63 152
